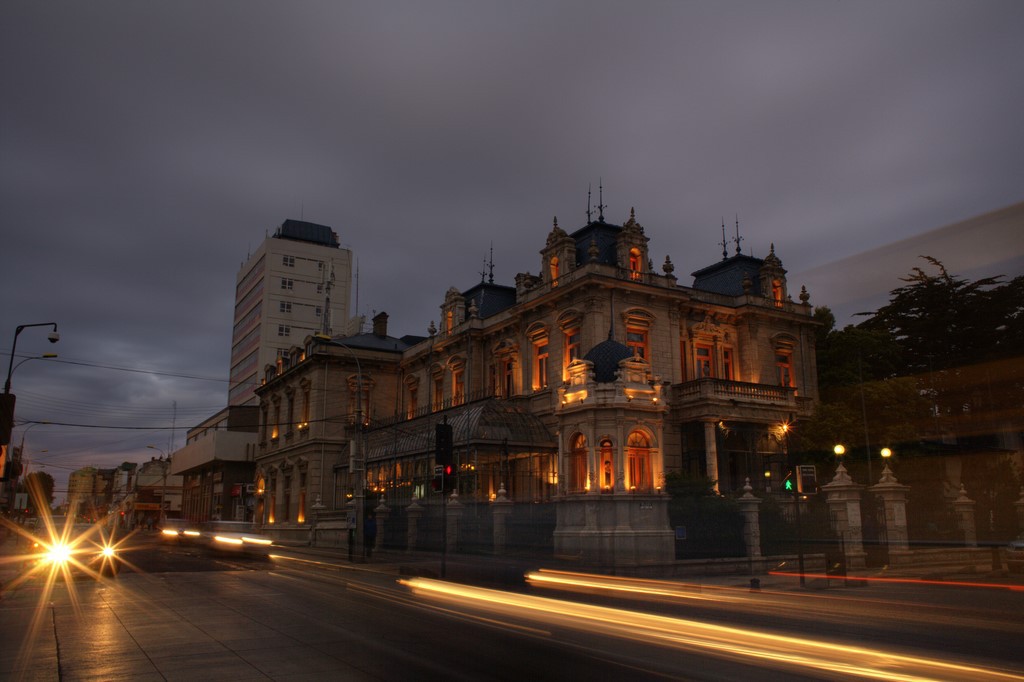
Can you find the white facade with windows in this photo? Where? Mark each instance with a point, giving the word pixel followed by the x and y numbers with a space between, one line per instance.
pixel 298 282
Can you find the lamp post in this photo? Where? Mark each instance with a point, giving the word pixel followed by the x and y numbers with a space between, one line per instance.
pixel 8 399
pixel 357 462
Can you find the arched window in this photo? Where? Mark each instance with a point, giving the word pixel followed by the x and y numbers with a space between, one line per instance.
pixel 554 270
pixel 607 466
pixel 578 464
pixel 638 457
pixel 636 263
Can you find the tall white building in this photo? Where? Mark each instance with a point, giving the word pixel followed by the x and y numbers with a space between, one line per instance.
pixel 298 282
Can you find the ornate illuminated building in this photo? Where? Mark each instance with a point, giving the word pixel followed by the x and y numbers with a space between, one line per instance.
pixel 571 394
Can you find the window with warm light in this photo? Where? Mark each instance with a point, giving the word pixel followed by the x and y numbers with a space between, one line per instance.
pixel 727 371
pixel 540 365
pixel 577 464
pixel 553 263
pixel 636 263
pixel 458 386
pixel 572 347
pixel 777 292
pixel 784 367
pixel 636 339
pixel 638 454
pixel 607 474
pixel 704 361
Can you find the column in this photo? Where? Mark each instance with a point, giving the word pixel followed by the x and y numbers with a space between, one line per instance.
pixel 414 512
pixel 751 524
pixel 894 501
pixel 381 511
pixel 843 497
pixel 964 507
pixel 454 515
pixel 711 451
pixel 501 508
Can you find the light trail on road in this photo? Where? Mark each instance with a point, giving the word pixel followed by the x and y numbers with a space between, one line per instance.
pixel 738 644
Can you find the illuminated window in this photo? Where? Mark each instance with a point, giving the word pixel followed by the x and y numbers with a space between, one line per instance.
pixel 554 270
pixel 275 428
pixel 540 366
pixel 636 263
pixel 305 408
pixel 704 365
pixel 458 386
pixel 636 339
pixel 287 283
pixel 578 464
pixel 607 466
pixel 572 347
pixel 638 454
pixel 508 378
pixel 449 321
pixel 438 386
pixel 784 366
pixel 777 292
pixel 727 372
pixel 410 410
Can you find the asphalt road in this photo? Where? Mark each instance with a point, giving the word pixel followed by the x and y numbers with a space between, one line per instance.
pixel 177 612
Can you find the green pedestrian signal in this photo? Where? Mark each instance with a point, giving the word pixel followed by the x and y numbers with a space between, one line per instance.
pixel 789 485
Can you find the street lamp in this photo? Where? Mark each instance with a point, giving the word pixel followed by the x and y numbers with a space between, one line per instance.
pixel 7 400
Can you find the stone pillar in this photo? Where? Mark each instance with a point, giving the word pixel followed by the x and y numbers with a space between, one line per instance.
pixel 454 514
pixel 751 526
pixel 414 511
pixel 318 509
pixel 711 451
pixel 382 511
pixel 964 507
pixel 894 501
pixel 501 508
pixel 1019 504
pixel 843 497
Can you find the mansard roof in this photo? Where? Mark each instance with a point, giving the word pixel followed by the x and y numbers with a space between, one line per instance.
pixel 726 276
pixel 490 299
pixel 602 234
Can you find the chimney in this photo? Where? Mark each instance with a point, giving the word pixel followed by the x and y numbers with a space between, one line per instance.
pixel 380 324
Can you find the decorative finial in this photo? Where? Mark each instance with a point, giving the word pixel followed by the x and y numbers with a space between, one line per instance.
pixel 724 243
pixel 600 200
pixel 804 296
pixel 588 203
pixel 738 238
pixel 668 267
pixel 490 277
pixel 432 330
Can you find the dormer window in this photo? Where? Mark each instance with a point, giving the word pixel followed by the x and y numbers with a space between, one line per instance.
pixel 636 263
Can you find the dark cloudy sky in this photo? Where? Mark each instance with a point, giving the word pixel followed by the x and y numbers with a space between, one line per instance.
pixel 146 147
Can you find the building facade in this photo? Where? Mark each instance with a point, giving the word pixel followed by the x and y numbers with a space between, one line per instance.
pixel 298 282
pixel 571 394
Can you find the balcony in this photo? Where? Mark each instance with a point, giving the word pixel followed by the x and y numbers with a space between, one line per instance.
pixel 720 398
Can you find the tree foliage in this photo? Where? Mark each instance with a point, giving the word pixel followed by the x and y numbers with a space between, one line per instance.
pixel 39 485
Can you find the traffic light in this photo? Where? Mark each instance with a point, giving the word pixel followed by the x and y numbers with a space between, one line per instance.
pixel 807 479
pixel 6 417
pixel 443 444
pixel 788 484
pixel 444 479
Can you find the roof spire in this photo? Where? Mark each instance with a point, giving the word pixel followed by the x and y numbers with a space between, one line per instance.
pixel 490 277
pixel 723 243
pixel 738 238
pixel 600 200
pixel 588 203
